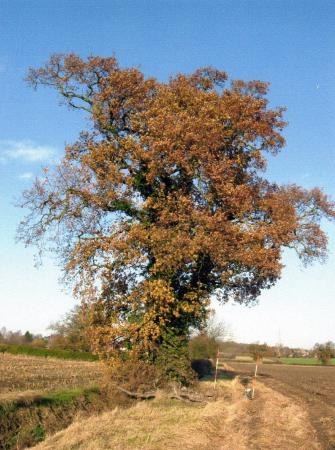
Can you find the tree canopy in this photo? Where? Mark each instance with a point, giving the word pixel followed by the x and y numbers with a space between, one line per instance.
pixel 325 352
pixel 163 201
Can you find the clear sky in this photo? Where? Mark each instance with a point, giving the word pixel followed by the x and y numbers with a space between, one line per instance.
pixel 289 43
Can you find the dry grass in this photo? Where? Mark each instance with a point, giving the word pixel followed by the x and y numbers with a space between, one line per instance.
pixel 158 424
pixel 20 373
pixel 270 421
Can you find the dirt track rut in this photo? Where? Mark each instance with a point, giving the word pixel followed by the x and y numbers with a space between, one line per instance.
pixel 313 388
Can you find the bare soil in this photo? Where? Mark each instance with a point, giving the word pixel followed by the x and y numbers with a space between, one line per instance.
pixel 312 387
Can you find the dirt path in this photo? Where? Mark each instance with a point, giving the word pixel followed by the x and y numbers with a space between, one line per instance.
pixel 312 388
pixel 269 421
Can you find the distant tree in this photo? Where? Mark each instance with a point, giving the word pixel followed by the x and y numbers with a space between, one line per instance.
pixel 28 337
pixel 39 341
pixel 14 337
pixel 231 349
pixel 258 351
pixel 203 347
pixel 331 346
pixel 162 203
pixel 215 328
pixel 271 352
pixel 205 343
pixel 324 352
pixel 71 331
pixel 2 334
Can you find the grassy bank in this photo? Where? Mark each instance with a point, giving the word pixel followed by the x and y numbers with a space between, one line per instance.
pixel 27 400
pixel 27 419
pixel 44 352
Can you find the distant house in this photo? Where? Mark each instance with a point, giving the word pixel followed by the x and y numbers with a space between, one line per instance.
pixel 299 353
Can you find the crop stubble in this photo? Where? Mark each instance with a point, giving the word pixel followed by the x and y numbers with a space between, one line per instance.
pixel 19 373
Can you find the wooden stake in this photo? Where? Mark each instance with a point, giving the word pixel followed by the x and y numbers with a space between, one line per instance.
pixel 253 381
pixel 216 368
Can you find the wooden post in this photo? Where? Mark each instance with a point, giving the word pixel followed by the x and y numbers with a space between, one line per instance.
pixel 253 381
pixel 216 368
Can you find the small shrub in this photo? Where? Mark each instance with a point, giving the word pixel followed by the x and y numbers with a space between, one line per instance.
pixel 3 348
pixel 38 433
pixel 134 375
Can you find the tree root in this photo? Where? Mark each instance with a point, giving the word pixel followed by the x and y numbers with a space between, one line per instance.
pixel 150 395
pixel 137 395
pixel 186 398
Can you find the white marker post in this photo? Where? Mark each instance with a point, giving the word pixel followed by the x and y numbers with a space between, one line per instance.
pixel 216 368
pixel 254 380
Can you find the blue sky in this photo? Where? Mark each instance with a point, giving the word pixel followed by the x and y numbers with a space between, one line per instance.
pixel 289 43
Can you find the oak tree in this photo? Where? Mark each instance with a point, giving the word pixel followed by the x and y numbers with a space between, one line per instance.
pixel 163 202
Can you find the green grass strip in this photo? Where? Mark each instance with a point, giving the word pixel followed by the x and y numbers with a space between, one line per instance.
pixel 305 361
pixel 51 398
pixel 67 396
pixel 44 352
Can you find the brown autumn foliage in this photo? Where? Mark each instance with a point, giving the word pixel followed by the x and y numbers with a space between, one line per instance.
pixel 164 202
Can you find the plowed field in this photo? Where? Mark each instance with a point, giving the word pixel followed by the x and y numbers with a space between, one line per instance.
pixel 312 387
